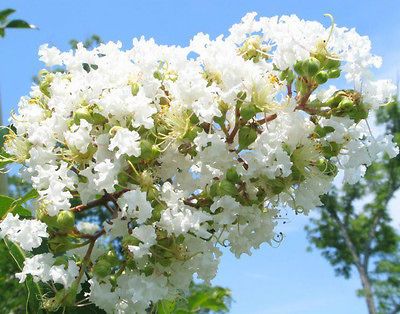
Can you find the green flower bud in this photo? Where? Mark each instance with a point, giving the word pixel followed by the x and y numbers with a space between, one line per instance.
pixel 158 75
pixel 102 268
pixel 180 239
pixel 135 88
pixel 321 77
pixel 332 64
pixel 232 175
pixel 66 220
pixel 311 66
pixel 247 136
pixel 345 104
pixel 334 73
pixel 336 99
pixel 299 68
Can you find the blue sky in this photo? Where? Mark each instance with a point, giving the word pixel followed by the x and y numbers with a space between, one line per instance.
pixel 283 280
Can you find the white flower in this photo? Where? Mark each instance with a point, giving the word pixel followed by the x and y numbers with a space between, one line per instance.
pixel 27 233
pixel 79 136
pixel 134 204
pixel 147 235
pixel 38 266
pixel 127 142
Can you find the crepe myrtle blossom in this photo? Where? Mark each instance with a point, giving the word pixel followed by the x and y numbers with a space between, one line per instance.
pixel 184 150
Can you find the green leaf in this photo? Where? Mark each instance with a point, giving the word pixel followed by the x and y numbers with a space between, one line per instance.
pixel 165 307
pixel 28 196
pixel 5 13
pixel 8 205
pixel 34 292
pixel 247 135
pixel 19 24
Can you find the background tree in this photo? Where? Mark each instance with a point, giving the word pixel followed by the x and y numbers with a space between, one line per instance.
pixel 353 229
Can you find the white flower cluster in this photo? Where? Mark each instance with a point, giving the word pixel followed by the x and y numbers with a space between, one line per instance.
pixel 187 149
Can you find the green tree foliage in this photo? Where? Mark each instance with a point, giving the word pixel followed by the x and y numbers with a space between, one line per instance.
pixel 353 229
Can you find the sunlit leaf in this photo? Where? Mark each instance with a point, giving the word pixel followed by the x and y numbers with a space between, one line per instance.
pixel 10 205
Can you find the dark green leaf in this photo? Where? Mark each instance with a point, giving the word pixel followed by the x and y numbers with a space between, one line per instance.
pixel 5 13
pixel 19 24
pixel 34 292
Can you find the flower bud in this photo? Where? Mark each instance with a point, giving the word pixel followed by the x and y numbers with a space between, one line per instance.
pixel 332 64
pixel 334 73
pixel 298 68
pixel 66 220
pixel 311 66
pixel 134 88
pixel 345 104
pixel 321 77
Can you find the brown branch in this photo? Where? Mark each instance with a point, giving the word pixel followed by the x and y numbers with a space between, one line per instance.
pixel 236 127
pixel 101 201
pixel 267 119
pixel 289 90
